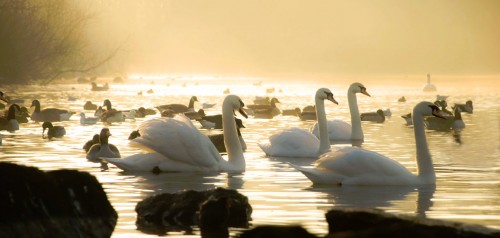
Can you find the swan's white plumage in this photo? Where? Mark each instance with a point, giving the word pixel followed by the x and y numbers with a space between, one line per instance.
pixel 177 138
pixel 337 130
pixel 357 166
pixel 175 145
pixel 292 142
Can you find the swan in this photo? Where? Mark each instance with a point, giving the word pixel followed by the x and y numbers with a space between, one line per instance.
pixel 429 87
pixel 176 145
pixel 49 114
pixel 103 149
pixel 357 166
pixel 340 131
pixel 297 142
pixel 9 122
pixel 53 131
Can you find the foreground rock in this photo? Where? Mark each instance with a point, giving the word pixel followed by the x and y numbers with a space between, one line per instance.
pixel 62 203
pixel 360 223
pixel 180 211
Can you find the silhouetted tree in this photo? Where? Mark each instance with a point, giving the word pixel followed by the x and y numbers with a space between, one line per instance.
pixel 41 40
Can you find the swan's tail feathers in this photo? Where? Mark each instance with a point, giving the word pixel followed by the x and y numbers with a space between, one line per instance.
pixel 319 176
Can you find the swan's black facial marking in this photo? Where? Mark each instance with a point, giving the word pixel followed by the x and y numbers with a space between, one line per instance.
pixel 363 91
pixel 329 96
pixel 241 103
pixel 242 112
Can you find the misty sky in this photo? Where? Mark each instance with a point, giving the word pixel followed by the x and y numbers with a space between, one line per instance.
pixel 327 37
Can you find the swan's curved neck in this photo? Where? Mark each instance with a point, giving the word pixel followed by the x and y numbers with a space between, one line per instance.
pixel 324 141
pixel 357 131
pixel 424 160
pixel 231 139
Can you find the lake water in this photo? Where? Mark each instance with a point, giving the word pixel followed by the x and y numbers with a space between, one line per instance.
pixel 468 174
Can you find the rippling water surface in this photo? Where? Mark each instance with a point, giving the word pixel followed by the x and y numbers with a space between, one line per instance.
pixel 468 174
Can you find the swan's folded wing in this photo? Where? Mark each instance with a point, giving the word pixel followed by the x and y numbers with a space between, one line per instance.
pixel 352 161
pixel 177 139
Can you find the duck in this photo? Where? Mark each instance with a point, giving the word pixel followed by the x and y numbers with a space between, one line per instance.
pixel 402 99
pixel 458 124
pixel 218 139
pixel 103 149
pixel 49 114
pixel 176 145
pixel 408 119
pixel 3 97
pixel 291 112
pixel 207 105
pixel 89 106
pixel 193 115
pixel 105 87
pixel 90 143
pixel 340 131
pixel 98 112
pixel 271 104
pixel 53 131
pixel 9 122
pixel 259 100
pixel 358 166
pixel 443 104
pixel 179 108
pixel 308 116
pixel 377 116
pixel 22 115
pixel 110 114
pixel 467 107
pixel 88 120
pixel 433 123
pixel 297 142
pixel 134 134
pixel 226 91
pixel 266 111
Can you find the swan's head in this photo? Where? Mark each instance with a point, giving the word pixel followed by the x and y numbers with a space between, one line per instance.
pixel 236 104
pixel 325 93
pixel 359 88
pixel 427 109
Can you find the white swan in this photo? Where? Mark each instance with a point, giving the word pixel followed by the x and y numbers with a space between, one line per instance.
pixel 296 142
pixel 357 166
pixel 177 146
pixel 340 131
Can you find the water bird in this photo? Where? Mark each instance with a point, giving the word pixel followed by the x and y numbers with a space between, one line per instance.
pixel 90 143
pixel 357 166
pixel 297 142
pixel 53 131
pixel 377 116
pixel 291 112
pixel 110 114
pixel 226 91
pixel 134 134
pixel 206 105
pixel 179 108
pixel 259 100
pixel 103 149
pixel 402 99
pixel 88 120
pixel 429 87
pixel 9 121
pixel 266 111
pixel 176 145
pixel 95 87
pixel 441 97
pixel 218 139
pixel 49 114
pixel 467 107
pixel 22 115
pixel 89 106
pixel 340 131
pixel 3 97
pixel 193 115
pixel 408 119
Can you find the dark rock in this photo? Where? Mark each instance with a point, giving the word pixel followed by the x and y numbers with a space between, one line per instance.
pixel 277 231
pixel 179 211
pixel 361 223
pixel 214 218
pixel 62 203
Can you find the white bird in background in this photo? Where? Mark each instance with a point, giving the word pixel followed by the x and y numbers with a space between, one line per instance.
pixel 340 131
pixel 88 120
pixel 297 142
pixel 357 166
pixel 176 145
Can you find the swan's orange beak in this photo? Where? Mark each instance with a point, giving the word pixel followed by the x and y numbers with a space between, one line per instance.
pixel 242 112
pixel 363 91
